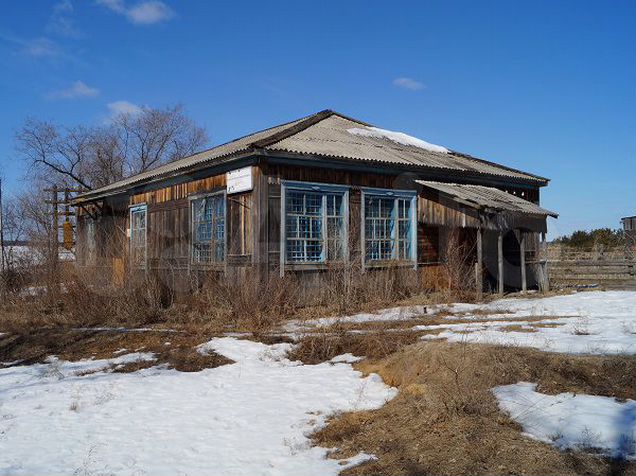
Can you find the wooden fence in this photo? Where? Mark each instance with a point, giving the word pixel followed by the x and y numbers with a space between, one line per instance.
pixel 609 269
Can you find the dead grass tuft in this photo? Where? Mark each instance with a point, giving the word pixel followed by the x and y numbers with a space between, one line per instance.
pixel 328 343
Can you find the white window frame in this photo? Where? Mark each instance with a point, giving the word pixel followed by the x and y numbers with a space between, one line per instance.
pixel 395 194
pixel 131 211
pixel 324 189
pixel 202 196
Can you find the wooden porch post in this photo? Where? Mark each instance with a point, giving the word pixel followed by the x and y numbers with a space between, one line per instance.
pixel 522 260
pixel 260 209
pixel 500 274
pixel 479 281
pixel 545 280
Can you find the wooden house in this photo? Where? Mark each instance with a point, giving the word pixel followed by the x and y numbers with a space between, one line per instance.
pixel 304 197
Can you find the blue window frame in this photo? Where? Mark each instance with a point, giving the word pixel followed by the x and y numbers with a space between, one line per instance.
pixel 208 229
pixel 389 225
pixel 315 224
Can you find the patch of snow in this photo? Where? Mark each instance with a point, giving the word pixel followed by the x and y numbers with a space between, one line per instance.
pixel 595 322
pixel 347 358
pixel 252 417
pixel 121 329
pixel 392 314
pixel 399 137
pixel 572 421
pixel 62 368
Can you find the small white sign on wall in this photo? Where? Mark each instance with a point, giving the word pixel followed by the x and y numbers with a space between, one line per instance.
pixel 239 180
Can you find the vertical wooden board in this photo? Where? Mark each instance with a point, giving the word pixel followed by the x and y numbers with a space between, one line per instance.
pixel 274 232
pixel 233 215
pixel 355 201
pixel 247 224
pixel 260 208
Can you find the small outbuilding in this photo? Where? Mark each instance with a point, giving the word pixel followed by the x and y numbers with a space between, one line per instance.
pixel 316 194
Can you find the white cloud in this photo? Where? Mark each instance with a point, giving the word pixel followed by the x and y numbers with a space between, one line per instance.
pixel 40 48
pixel 143 13
pixel 150 12
pixel 78 89
pixel 123 107
pixel 408 83
pixel 61 20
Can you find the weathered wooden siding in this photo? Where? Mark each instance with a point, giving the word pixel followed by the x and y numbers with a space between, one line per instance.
pixel 438 211
pixel 169 231
pixel 168 234
pixel 428 243
pixel 179 191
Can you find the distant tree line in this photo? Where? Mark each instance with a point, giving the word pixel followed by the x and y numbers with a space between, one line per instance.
pixel 601 237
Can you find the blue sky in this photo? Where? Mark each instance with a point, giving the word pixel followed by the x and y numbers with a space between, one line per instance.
pixel 543 86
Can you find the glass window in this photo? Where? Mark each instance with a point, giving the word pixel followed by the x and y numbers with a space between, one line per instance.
pixel 388 226
pixel 314 224
pixel 91 242
pixel 138 236
pixel 208 229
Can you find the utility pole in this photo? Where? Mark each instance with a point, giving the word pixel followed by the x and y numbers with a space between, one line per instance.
pixel 67 225
pixel 54 244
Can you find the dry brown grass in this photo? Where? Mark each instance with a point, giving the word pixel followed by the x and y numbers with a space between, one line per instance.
pixel 445 420
pixel 175 349
pixel 325 344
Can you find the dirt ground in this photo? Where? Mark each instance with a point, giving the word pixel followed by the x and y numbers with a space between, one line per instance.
pixel 175 349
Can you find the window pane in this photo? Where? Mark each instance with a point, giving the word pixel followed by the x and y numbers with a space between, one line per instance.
pixel 387 227
pixel 208 222
pixel 307 214
pixel 138 237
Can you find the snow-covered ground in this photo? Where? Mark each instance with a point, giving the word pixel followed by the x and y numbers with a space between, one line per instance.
pixel 568 420
pixel 594 322
pixel 251 417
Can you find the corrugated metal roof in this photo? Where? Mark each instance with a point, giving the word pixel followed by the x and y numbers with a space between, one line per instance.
pixel 480 196
pixel 331 137
pixel 325 134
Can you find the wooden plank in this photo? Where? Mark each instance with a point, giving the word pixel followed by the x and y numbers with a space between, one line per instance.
pixel 522 260
pixel 479 278
pixel 260 255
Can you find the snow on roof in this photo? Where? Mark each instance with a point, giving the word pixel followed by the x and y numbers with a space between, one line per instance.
pixel 399 137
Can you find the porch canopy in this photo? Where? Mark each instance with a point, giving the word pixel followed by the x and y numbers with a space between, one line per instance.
pixel 496 209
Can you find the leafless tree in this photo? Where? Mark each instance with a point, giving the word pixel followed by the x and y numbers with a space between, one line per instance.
pixel 155 137
pixel 90 157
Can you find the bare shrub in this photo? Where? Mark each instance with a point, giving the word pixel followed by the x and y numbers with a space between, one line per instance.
pixel 251 304
pixel 326 343
pixel 459 266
